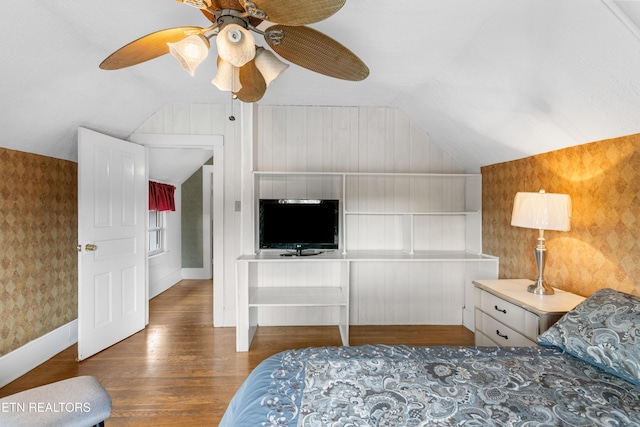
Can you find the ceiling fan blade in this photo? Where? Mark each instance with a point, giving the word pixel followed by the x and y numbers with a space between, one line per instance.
pixel 218 5
pixel 226 4
pixel 253 84
pixel 210 16
pixel 148 47
pixel 293 12
pixel 316 52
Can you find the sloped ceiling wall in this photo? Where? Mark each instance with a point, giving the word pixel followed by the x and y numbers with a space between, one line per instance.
pixel 489 80
pixel 536 77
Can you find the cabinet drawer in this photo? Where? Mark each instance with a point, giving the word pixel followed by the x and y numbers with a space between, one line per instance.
pixel 483 340
pixel 516 317
pixel 500 333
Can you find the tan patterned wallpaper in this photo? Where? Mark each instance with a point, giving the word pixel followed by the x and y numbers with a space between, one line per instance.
pixel 603 247
pixel 38 235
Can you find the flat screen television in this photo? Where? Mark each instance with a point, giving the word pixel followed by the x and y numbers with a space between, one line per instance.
pixel 298 224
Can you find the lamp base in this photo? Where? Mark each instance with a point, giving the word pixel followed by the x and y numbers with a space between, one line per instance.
pixel 540 288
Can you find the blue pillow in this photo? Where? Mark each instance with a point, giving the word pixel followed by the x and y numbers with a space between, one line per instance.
pixel 603 330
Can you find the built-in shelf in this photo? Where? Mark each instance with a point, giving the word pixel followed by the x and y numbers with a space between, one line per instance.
pixel 373 174
pixel 297 296
pixel 370 255
pixel 413 213
pixel 363 194
pixel 382 267
pixel 384 255
pixel 282 294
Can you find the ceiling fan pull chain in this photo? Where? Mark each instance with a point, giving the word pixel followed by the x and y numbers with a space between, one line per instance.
pixel 232 118
pixel 234 95
pixel 254 10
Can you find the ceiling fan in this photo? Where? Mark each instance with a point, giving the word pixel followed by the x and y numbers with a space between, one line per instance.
pixel 245 69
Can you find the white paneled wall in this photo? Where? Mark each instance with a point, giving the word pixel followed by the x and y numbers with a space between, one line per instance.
pixel 382 212
pixel 345 139
pixel 296 186
pixel 407 293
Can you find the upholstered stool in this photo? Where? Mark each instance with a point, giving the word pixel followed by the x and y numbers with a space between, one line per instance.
pixel 79 401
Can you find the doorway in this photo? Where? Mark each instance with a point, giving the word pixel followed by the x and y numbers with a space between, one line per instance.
pixel 172 159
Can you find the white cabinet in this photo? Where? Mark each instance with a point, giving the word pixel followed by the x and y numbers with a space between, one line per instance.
pixel 508 315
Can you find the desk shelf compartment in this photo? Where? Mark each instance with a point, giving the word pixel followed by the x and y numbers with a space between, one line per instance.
pixel 281 291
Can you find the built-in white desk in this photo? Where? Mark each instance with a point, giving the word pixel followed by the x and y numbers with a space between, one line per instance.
pixel 326 283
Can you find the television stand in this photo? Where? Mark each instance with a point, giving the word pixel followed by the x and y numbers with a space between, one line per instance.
pixel 300 252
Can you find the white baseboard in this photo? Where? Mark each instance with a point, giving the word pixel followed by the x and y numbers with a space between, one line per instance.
pixel 20 361
pixel 196 274
pixel 156 287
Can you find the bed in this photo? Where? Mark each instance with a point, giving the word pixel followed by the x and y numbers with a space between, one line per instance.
pixel 585 372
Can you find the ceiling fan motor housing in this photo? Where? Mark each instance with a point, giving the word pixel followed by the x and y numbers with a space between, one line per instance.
pixel 229 16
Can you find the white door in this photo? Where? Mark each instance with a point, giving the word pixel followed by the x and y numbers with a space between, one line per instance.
pixel 112 203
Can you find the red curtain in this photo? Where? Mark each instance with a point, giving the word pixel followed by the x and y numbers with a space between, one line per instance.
pixel 161 197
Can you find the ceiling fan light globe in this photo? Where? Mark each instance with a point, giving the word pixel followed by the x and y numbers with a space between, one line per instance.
pixel 269 65
pixel 234 36
pixel 190 51
pixel 227 78
pixel 236 45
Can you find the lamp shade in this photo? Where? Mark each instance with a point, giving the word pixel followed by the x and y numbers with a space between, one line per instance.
pixel 269 65
pixel 190 51
pixel 542 211
pixel 227 78
pixel 236 45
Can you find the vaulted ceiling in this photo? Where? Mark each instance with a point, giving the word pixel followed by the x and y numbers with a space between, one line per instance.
pixel 489 80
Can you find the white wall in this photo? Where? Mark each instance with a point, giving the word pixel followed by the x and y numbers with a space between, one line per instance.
pixel 165 269
pixel 353 139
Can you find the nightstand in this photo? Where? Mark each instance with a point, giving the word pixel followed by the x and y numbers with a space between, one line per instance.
pixel 507 315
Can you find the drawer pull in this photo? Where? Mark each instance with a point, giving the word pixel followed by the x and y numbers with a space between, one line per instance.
pixel 501 335
pixel 501 311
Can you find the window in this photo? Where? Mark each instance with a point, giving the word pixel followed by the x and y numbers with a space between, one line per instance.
pixel 156 232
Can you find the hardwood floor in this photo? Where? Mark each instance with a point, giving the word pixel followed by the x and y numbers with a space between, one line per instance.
pixel 181 371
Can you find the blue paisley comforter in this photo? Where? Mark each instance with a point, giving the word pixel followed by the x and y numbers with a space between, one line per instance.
pixel 380 385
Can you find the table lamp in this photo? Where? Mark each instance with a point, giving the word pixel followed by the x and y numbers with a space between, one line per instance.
pixel 541 211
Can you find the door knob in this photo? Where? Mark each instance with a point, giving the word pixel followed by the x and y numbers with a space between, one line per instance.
pixel 90 247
